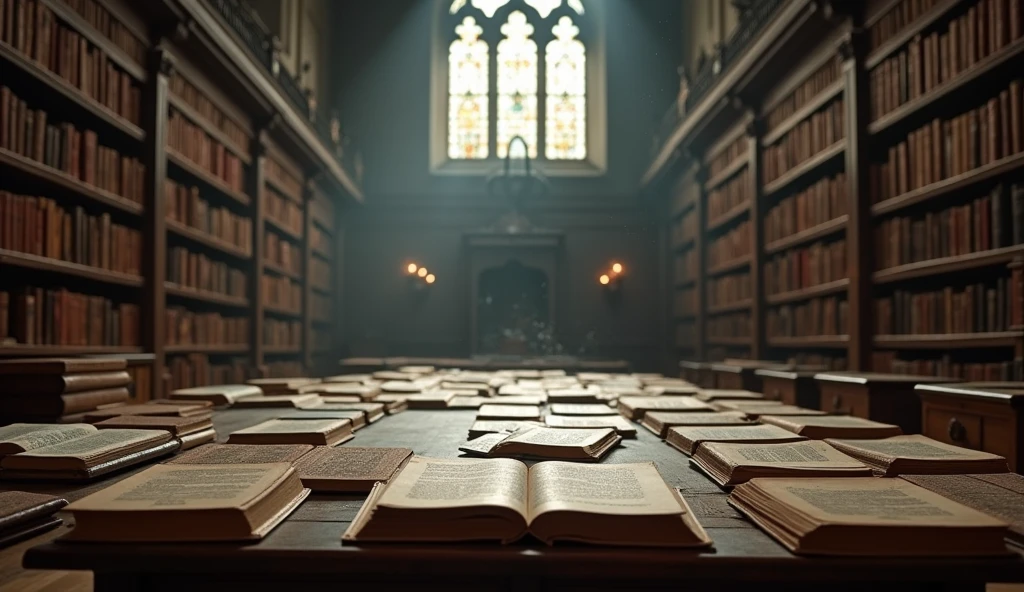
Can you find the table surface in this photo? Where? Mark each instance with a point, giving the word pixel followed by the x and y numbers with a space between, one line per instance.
pixel 309 541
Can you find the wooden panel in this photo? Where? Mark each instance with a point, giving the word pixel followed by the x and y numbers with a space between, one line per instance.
pixel 845 399
pixel 953 426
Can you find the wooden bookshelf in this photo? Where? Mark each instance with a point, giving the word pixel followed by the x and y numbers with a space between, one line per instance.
pixel 56 266
pixel 918 235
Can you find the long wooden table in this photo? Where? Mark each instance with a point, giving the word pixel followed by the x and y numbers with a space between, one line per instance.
pixel 306 552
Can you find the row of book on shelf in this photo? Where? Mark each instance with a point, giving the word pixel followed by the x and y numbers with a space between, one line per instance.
pixel 816 317
pixel 193 143
pixel 210 112
pixel 39 316
pixel 974 308
pixel 60 145
pixel 731 246
pixel 980 29
pixel 197 271
pixel 825 76
pixel 797 269
pixel 807 139
pixel 185 327
pixel 31 28
pixel 825 200
pixel 186 206
pixel 790 470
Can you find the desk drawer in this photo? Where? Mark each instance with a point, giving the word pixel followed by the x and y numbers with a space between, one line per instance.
pixel 953 426
pixel 846 400
pixel 780 389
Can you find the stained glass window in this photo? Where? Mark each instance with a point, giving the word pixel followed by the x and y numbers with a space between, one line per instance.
pixel 566 123
pixel 518 104
pixel 517 85
pixel 468 63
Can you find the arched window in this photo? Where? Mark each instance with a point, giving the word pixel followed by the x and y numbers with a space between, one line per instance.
pixel 521 68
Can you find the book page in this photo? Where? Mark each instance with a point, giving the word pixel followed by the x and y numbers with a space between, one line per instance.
pixel 631 489
pixel 753 432
pixel 32 436
pixel 916 447
pixel 615 422
pixel 186 487
pixel 296 426
pixel 870 501
pixel 99 443
pixel 458 483
pixel 576 438
pixel 798 454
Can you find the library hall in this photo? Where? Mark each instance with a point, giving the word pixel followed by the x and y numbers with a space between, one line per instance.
pixel 512 295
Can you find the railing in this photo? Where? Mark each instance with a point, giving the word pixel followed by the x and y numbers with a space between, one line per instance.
pixel 751 23
pixel 257 38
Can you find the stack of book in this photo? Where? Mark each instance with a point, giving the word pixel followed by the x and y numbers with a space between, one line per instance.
pixel 24 515
pixel 57 390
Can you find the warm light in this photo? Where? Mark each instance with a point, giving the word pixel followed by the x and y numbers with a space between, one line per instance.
pixel 605 280
pixel 617 268
pixel 431 279
pixel 422 272
pixel 412 268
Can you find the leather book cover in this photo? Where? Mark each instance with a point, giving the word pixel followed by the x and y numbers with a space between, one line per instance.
pixel 29 530
pixel 63 404
pixel 44 385
pixel 61 366
pixel 20 507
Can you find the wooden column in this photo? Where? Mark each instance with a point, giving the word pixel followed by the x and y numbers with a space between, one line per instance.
pixel 859 230
pixel 758 346
pixel 154 231
pixel 339 320
pixel 257 187
pixel 307 285
pixel 700 306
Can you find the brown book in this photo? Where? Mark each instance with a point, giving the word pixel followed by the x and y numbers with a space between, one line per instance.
pixel 31 405
pixel 357 417
pixel 1000 496
pixel 634 408
pixel 659 422
pixel 52 384
pixel 1016 117
pixel 69 450
pixel 347 469
pixel 177 426
pixel 833 426
pixel 581 445
pixel 161 504
pixel 688 438
pixel 919 455
pixel 756 411
pixel 319 432
pixel 859 517
pixel 709 395
pixel 61 366
pixel 286 401
pixel 425 503
pixel 730 464
pixel 1015 19
pixel 24 515
pixel 153 408
pixel 238 454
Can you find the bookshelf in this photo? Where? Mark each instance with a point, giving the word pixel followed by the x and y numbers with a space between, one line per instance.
pixel 132 218
pixel 889 194
pixel 687 275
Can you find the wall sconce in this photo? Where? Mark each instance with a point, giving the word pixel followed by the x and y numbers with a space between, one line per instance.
pixel 419 276
pixel 611 280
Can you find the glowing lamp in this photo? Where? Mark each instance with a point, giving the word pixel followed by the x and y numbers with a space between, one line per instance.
pixel 412 268
pixel 605 280
pixel 430 278
pixel 422 272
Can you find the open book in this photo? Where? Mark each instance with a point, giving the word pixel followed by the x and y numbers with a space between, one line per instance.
pixel 319 432
pixel 76 451
pixel 582 409
pixel 731 464
pixel 867 516
pixel 179 502
pixel 499 499
pixel 660 421
pixel 587 445
pixel 635 407
pixel 615 422
pixel 833 426
pixel 218 395
pixel 348 469
pixel 688 438
pixel 919 455
pixel 728 395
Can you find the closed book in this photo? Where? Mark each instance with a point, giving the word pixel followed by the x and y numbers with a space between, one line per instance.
pixel 218 395
pixel 688 438
pixel 319 432
pixel 24 515
pixel 919 455
pixel 833 426
pixel 177 426
pixel 635 407
pixel 162 504
pixel 56 406
pixel 61 366
pixel 285 401
pixel 168 408
pixel 55 384
pixel 348 469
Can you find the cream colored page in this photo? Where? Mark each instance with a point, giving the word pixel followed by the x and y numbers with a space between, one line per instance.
pixel 458 483
pixel 286 426
pixel 624 489
pixel 606 421
pixel 872 501
pixel 918 447
pixel 186 487
pixel 808 454
pixel 835 421
pixel 31 436
pixel 97 443
pixel 558 437
pixel 755 432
